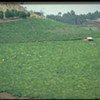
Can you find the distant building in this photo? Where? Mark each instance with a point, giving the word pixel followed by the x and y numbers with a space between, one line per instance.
pixel 36 14
pixel 89 38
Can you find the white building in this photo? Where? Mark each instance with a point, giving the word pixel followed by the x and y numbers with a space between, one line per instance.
pixel 90 38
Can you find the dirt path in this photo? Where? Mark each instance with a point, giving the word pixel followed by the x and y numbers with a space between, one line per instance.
pixel 6 95
pixel 9 20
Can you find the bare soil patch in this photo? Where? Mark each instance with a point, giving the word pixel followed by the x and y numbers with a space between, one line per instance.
pixel 91 43
pixel 9 20
pixel 6 95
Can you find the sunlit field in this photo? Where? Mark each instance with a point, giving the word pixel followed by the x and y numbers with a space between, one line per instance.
pixel 49 60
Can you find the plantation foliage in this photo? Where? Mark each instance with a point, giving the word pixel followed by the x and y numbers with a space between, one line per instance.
pixel 72 18
pixel 33 29
pixel 14 14
pixel 53 68
pixel 60 70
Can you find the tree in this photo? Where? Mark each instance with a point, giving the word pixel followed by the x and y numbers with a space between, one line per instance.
pixel 14 13
pixel 59 14
pixel 28 14
pixel 8 14
pixel 96 14
pixel 82 18
pixel 72 12
pixel 66 17
pixel 22 14
pixel 51 16
pixel 1 15
pixel 72 18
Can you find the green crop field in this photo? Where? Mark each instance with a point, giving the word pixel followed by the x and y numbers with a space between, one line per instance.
pixel 31 30
pixel 54 68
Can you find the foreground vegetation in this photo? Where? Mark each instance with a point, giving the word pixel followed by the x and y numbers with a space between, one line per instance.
pixel 51 68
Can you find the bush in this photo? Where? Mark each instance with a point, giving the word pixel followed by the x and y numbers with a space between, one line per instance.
pixel 22 14
pixel 8 14
pixel 14 13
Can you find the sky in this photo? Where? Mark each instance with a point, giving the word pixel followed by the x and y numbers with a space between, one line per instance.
pixel 64 8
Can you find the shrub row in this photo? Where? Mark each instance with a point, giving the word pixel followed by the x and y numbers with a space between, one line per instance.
pixel 14 14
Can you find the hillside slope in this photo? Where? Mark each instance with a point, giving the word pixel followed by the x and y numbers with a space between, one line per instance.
pixel 32 29
pixel 49 69
pixel 5 6
pixel 18 7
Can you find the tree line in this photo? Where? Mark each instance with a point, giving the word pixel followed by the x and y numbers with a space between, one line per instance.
pixel 14 14
pixel 72 18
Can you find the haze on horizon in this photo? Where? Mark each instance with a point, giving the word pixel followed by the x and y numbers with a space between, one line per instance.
pixel 63 8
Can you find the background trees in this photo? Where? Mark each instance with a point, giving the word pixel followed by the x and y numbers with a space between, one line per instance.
pixel 72 18
pixel 69 17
